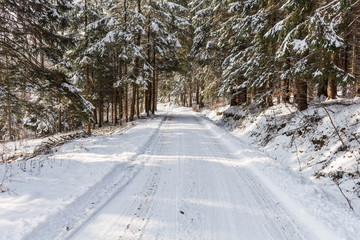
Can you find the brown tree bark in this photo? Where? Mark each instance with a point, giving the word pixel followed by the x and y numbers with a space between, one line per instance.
pixel 239 96
pixel 120 95
pixel 355 63
pixel 120 105
pixel 59 117
pixel 332 88
pixel 101 113
pixel 201 96
pixel 323 88
pixel 301 96
pixel 153 95
pixel 156 89
pixel 107 112
pixel 115 90
pixel 125 73
pixel 269 97
pixel 126 97
pixel 243 96
pixel 147 93
pixel 134 101
pixel 190 92
pixel 87 69
pixel 197 92
pixel 137 101
pixel 11 134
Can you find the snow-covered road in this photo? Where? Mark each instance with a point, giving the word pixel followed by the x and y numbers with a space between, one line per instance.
pixel 194 186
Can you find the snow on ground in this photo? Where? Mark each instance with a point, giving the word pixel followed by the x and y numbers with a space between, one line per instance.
pixel 53 184
pixel 306 142
pixel 199 182
pixel 175 176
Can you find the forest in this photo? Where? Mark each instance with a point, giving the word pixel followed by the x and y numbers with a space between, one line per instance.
pixel 66 65
pixel 179 119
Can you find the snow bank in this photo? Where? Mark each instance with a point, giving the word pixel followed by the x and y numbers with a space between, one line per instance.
pixel 328 214
pixel 45 195
pixel 305 142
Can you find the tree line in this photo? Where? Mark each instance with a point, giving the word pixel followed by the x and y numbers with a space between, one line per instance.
pixel 263 52
pixel 70 64
pixel 66 64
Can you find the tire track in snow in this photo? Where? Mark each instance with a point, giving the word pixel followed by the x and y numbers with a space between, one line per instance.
pixel 137 208
pixel 279 224
pixel 67 221
pixel 190 188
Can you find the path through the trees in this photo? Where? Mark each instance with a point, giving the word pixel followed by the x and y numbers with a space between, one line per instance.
pixel 193 185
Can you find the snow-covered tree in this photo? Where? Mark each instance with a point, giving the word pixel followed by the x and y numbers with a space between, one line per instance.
pixel 207 51
pixel 309 40
pixel 33 71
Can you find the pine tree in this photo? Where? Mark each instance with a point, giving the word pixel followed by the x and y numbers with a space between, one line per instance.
pixel 245 67
pixel 207 51
pixel 309 42
pixel 32 45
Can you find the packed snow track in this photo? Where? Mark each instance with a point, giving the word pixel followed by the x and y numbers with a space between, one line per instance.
pixel 192 186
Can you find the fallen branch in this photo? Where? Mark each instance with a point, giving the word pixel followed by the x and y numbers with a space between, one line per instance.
pixel 332 123
pixel 347 199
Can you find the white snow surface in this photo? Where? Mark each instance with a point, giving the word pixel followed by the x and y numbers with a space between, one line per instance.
pixel 174 176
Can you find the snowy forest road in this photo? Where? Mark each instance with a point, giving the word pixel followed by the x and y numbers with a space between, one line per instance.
pixel 193 186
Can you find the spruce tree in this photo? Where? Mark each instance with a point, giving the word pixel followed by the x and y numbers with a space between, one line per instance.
pixel 32 43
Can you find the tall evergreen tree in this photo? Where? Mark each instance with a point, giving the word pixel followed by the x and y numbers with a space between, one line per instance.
pixel 32 45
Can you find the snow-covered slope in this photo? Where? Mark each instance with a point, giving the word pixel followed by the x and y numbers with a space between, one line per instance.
pixel 321 143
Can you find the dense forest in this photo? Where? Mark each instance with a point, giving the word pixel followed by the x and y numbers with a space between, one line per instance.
pixel 69 64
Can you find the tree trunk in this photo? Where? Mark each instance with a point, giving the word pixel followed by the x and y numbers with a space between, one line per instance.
pixel 322 88
pixel 269 97
pixel 154 80
pixel 88 94
pixel 59 120
pixel 332 88
pixel 115 89
pixel 243 96
pixel 190 93
pixel 107 112
pixel 197 92
pixel 133 102
pixel 156 89
pixel 233 99
pixel 95 117
pixel 120 105
pixel 87 69
pixel 355 63
pixel 144 102
pixel 114 105
pixel 125 73
pixel 148 90
pixel 201 96
pixel 11 135
pixel 138 101
pixel 101 113
pixel 285 91
pixel 120 95
pixel 126 98
pixel 301 98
